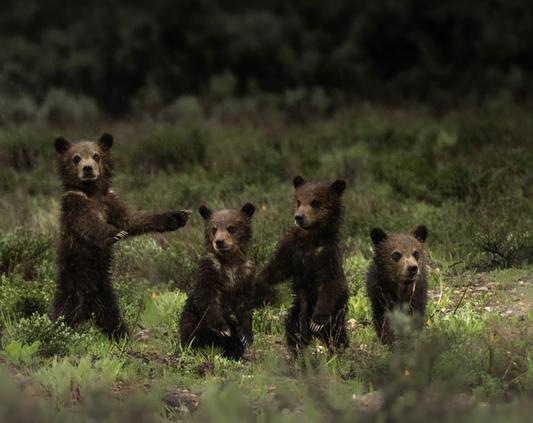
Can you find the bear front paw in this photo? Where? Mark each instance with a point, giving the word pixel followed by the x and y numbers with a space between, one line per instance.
pixel 319 322
pixel 113 238
pixel 226 332
pixel 246 340
pixel 177 220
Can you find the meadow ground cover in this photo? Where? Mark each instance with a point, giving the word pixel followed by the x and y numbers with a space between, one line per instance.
pixel 467 176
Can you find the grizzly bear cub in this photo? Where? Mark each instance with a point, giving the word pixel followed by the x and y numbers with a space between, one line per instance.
pixel 92 219
pixel 397 277
pixel 223 286
pixel 310 255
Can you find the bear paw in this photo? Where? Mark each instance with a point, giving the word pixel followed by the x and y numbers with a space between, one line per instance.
pixel 319 322
pixel 177 220
pixel 246 340
pixel 116 237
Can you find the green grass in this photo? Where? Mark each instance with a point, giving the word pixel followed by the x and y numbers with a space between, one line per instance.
pixel 467 176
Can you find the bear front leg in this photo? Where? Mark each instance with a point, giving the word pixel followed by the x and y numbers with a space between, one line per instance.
pixel 161 222
pixel 244 319
pixel 277 270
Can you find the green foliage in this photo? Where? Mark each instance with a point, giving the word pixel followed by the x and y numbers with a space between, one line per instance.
pixel 359 307
pixel 53 338
pixel 62 108
pixel 310 54
pixel 18 354
pixel 355 268
pixel 162 312
pixel 66 379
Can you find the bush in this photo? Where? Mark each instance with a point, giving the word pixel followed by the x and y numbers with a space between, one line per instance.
pixel 55 338
pixel 62 108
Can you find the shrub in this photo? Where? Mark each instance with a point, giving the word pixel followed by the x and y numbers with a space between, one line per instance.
pixel 63 108
pixel 55 338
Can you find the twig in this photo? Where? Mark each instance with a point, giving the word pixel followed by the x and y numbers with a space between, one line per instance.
pixel 461 300
pixel 198 325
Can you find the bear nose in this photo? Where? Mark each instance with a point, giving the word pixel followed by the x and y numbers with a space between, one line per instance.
pixel 219 243
pixel 412 269
pixel 87 169
pixel 299 218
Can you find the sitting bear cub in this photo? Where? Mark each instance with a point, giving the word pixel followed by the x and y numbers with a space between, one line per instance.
pixel 397 277
pixel 223 286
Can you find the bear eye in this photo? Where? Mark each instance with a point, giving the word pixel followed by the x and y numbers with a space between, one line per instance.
pixel 315 204
pixel 76 159
pixel 416 255
pixel 96 158
pixel 298 203
pixel 396 256
pixel 231 229
pixel 214 231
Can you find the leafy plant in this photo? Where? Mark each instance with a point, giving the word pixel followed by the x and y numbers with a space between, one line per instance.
pixel 20 355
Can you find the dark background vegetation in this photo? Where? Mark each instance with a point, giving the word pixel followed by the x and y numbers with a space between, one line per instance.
pixel 128 53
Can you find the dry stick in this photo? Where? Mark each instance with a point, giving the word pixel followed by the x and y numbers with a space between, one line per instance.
pixel 518 377
pixel 461 300
pixel 198 325
pixel 508 367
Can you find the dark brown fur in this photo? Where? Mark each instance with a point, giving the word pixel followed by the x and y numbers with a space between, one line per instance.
pixel 309 254
pixel 223 285
pixel 93 218
pixel 397 277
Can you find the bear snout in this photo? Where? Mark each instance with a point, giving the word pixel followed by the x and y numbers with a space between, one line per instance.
pixel 300 220
pixel 88 173
pixel 412 270
pixel 219 243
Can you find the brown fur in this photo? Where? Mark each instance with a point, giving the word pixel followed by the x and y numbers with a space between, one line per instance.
pixel 92 219
pixel 223 285
pixel 397 277
pixel 309 254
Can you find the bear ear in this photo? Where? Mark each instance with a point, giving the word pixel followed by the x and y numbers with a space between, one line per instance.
pixel 338 186
pixel 298 181
pixel 421 233
pixel 248 209
pixel 106 141
pixel 205 212
pixel 61 145
pixel 378 236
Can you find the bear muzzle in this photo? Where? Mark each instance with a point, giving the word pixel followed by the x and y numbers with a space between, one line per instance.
pixel 300 221
pixel 88 173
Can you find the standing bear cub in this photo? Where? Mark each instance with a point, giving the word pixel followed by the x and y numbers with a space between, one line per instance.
pixel 92 219
pixel 223 285
pixel 309 254
pixel 397 277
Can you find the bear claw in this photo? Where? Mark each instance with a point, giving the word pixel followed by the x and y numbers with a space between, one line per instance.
pixel 244 341
pixel 227 332
pixel 120 235
pixel 314 327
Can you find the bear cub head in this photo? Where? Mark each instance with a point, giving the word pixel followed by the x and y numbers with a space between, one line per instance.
pixel 228 232
pixel 400 258
pixel 84 164
pixel 317 205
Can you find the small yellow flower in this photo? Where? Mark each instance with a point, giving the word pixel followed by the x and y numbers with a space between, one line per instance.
pixel 264 207
pixel 168 312
pixel 406 372
pixel 153 295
